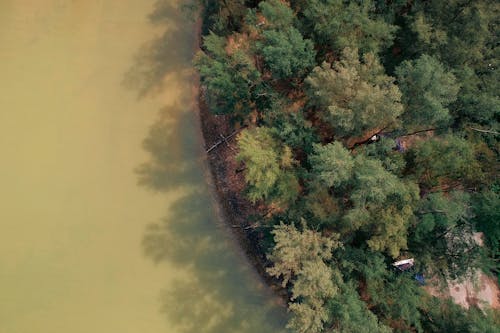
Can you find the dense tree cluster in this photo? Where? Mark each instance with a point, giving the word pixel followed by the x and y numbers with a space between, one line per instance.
pixel 373 126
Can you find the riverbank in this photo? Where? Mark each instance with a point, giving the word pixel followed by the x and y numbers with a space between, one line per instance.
pixel 229 186
pixel 228 181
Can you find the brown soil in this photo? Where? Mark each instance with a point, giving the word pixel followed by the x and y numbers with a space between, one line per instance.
pixel 483 292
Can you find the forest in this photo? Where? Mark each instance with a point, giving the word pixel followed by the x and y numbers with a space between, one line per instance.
pixel 369 134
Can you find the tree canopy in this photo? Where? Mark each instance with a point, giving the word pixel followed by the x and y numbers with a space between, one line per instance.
pixel 371 135
pixel 427 91
pixel 354 96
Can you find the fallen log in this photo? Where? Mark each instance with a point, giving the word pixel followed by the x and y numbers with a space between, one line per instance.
pixel 223 140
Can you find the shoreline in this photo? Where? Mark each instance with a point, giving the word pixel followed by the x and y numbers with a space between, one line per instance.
pixel 226 184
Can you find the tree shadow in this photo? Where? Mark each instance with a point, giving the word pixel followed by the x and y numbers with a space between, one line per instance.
pixel 171 145
pixel 163 55
pixel 221 294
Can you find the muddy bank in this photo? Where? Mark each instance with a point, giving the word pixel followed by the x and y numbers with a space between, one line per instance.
pixel 240 215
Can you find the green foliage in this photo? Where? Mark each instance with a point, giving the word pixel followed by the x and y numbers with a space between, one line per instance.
pixel 277 14
pixel 442 239
pixel 427 90
pixel 286 53
pixel 396 299
pixel 269 167
pixel 444 162
pixel 486 207
pixel 223 16
pixel 339 24
pixel 299 258
pixel 228 79
pixel 332 164
pixel 294 248
pixel 459 31
pixel 445 316
pixel 385 151
pixel 351 314
pixel 463 35
pixel 291 127
pixel 381 206
pixel 353 96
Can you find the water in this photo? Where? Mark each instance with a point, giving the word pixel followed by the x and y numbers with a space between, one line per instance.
pixel 107 224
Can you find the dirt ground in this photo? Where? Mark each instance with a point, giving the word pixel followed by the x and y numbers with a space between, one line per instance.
pixel 484 292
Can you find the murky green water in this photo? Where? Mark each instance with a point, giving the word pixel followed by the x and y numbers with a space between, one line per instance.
pixel 106 222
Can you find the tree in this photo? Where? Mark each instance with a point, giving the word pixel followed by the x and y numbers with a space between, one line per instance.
pixel 444 161
pixel 269 167
pixel 332 164
pixel 338 24
pixel 291 127
pixel 381 206
pixel 286 53
pixel 427 90
pixel 294 248
pixel 351 315
pixel 299 258
pixel 354 97
pixel 222 16
pixel 229 79
pixel 461 34
pixel 385 151
pixel 442 238
pixel 278 15
pixel 485 206
pixel 446 316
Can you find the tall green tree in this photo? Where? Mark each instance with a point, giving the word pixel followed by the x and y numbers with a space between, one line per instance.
pixel 463 35
pixel 351 315
pixel 485 207
pixel 338 24
pixel 332 164
pixel 286 53
pixel 381 206
pixel 229 79
pixel 299 258
pixel 354 96
pixel 444 162
pixel 269 167
pixel 427 91
pixel 442 238
pixel 277 14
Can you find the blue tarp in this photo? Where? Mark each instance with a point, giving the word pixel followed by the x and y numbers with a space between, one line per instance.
pixel 420 279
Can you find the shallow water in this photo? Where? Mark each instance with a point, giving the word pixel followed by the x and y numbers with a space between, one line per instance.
pixel 107 224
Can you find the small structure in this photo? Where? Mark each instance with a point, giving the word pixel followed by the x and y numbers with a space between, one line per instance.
pixel 404 265
pixel 407 265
